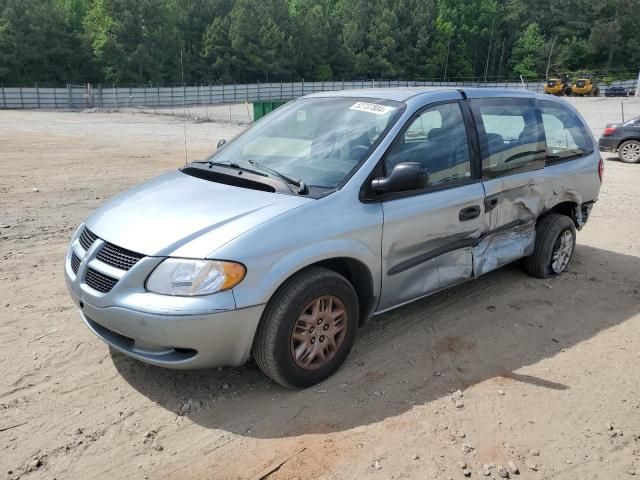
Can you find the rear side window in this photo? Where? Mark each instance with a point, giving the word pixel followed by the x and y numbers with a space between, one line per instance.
pixel 511 135
pixel 565 133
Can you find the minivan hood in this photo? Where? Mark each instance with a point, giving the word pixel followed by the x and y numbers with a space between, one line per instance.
pixel 180 215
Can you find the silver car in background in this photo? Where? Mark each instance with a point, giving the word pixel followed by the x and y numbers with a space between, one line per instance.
pixel 333 208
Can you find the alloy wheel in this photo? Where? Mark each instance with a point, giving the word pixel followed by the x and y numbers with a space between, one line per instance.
pixel 319 332
pixel 562 252
pixel 630 152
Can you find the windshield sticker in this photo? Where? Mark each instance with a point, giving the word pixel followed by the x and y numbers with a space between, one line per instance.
pixel 371 108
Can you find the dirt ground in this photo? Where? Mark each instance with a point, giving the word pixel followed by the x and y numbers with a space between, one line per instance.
pixel 541 373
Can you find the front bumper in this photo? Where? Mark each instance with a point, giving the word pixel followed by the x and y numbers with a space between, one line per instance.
pixel 176 341
pixel 174 332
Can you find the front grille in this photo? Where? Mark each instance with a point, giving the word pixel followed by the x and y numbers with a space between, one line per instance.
pixel 110 254
pixel 87 237
pixel 118 257
pixel 75 263
pixel 99 281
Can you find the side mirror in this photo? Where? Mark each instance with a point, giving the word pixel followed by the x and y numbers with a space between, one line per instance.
pixel 221 143
pixel 404 176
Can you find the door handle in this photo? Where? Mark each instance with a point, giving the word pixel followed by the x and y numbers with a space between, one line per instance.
pixel 469 213
pixel 490 204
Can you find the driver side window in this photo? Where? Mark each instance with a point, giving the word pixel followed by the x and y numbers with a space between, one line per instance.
pixel 437 140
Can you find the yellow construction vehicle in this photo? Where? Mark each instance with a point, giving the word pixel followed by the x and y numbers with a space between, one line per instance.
pixel 558 86
pixel 585 85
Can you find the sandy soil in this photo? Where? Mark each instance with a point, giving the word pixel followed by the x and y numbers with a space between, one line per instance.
pixel 543 374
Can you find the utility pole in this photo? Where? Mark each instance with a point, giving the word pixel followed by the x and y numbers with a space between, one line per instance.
pixel 486 67
pixel 446 63
pixel 501 55
pixel 553 41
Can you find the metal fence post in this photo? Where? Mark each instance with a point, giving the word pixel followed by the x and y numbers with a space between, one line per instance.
pixel 115 89
pixel 281 95
pixel 130 96
pixel 4 100
pixel 38 94
pixel 101 100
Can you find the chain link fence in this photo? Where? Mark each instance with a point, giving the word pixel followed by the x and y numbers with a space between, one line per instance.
pixel 115 97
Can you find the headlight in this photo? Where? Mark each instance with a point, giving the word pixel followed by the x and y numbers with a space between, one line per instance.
pixel 184 277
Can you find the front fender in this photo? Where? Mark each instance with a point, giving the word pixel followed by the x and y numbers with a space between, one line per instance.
pixel 267 275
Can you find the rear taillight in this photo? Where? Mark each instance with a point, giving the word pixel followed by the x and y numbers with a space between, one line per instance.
pixel 609 131
pixel 601 169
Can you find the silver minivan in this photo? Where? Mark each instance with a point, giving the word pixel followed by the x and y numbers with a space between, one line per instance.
pixel 335 207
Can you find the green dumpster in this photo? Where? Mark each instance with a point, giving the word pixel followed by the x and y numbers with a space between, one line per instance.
pixel 260 109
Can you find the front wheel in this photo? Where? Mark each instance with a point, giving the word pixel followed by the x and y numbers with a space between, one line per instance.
pixel 555 243
pixel 307 329
pixel 629 151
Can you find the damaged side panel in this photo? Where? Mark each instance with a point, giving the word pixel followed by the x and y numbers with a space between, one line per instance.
pixel 498 249
pixel 426 246
pixel 515 200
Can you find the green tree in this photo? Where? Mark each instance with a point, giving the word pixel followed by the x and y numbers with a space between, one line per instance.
pixel 142 41
pixel 134 41
pixel 529 52
pixel 37 46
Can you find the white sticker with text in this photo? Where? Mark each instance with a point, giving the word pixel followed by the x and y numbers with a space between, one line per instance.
pixel 371 108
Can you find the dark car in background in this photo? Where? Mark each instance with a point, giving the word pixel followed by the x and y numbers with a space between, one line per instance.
pixel 622 138
pixel 616 91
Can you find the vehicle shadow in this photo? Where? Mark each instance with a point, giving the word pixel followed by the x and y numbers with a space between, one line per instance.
pixel 482 331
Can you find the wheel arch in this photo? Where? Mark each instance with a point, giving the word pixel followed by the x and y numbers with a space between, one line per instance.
pixel 357 274
pixel 360 277
pixel 572 208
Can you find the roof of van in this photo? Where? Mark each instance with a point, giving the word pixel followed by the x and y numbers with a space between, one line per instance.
pixel 401 94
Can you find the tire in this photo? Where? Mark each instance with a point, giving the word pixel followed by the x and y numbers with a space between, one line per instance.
pixel 629 151
pixel 275 347
pixel 550 232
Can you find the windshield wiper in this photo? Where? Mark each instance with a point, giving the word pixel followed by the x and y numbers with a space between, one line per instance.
pixel 228 164
pixel 302 187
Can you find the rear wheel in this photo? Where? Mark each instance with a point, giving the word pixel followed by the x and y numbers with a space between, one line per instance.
pixel 555 243
pixel 308 328
pixel 629 151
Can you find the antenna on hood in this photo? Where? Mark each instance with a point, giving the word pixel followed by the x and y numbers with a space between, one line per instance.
pixel 184 111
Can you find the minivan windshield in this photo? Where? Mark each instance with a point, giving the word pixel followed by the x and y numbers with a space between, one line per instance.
pixel 319 141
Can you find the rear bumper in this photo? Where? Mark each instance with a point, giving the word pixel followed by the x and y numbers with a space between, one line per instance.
pixel 608 144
